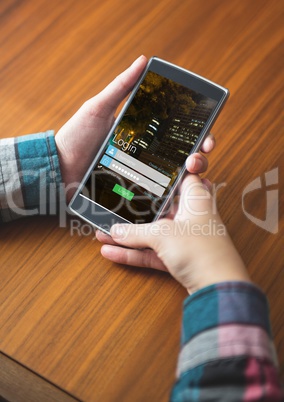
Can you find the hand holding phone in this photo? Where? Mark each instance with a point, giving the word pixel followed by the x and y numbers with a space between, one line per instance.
pixel 194 246
pixel 81 137
pixel 142 160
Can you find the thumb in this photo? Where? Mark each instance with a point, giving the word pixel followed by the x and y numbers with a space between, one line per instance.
pixel 110 97
pixel 147 235
pixel 195 198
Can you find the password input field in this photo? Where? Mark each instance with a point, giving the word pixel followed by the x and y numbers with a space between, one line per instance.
pixel 132 175
pixel 140 167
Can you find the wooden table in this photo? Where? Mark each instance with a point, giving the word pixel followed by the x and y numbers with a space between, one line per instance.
pixel 73 325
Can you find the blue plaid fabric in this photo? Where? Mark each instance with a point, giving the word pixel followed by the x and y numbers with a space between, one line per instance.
pixel 227 352
pixel 29 175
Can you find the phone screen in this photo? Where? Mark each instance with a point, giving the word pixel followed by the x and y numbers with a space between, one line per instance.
pixel 148 147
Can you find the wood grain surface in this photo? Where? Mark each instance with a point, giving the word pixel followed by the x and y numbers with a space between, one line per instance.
pixel 97 330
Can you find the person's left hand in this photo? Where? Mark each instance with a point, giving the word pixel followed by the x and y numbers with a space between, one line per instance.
pixel 81 137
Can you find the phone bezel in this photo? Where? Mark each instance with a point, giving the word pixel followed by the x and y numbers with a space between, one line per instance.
pixel 99 216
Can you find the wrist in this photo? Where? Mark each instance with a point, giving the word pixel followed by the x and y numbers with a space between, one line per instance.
pixel 216 273
pixel 224 265
pixel 69 182
pixel 218 279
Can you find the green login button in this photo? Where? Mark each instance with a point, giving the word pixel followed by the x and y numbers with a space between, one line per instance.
pixel 123 192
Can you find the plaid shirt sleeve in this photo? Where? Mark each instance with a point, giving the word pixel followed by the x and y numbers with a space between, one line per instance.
pixel 227 352
pixel 29 175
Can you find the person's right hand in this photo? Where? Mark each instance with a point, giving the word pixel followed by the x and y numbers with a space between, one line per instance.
pixel 194 246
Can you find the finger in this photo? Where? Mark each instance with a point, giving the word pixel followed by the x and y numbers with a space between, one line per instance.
pixel 208 144
pixel 173 208
pixel 196 163
pixel 207 183
pixel 146 258
pixel 149 235
pixel 109 98
pixel 190 183
pixel 194 198
pixel 104 238
pixel 136 236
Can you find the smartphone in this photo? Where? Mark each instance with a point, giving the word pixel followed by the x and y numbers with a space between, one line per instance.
pixel 137 170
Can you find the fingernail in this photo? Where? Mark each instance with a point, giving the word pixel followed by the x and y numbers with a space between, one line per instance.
pixel 197 164
pixel 137 60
